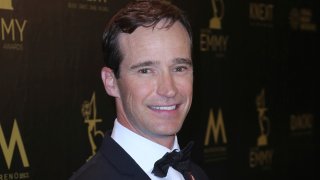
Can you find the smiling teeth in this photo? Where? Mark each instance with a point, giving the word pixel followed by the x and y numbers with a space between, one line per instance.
pixel 166 108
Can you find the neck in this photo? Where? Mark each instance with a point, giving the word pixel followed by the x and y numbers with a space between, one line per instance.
pixel 164 140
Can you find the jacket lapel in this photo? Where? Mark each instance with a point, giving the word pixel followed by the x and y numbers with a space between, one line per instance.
pixel 121 160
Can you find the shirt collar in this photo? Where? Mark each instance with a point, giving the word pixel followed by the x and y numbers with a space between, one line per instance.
pixel 144 151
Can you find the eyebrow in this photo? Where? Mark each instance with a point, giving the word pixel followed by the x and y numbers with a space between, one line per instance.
pixel 143 64
pixel 183 61
pixel 151 63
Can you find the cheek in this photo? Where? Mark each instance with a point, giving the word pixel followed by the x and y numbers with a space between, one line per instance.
pixel 136 92
pixel 185 85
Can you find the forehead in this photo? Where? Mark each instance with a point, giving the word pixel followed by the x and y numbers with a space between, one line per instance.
pixel 159 39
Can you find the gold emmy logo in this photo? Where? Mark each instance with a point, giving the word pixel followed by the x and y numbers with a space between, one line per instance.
pixel 210 41
pixel 216 127
pixel 8 150
pixel 215 21
pixel 89 113
pixel 6 4
pixel 262 155
pixel 263 120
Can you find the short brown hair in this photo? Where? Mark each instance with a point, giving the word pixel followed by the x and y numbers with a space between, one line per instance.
pixel 137 13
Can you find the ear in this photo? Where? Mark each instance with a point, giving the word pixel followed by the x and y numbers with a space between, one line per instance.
pixel 110 82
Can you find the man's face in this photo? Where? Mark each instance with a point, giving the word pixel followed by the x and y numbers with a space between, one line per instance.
pixel 155 84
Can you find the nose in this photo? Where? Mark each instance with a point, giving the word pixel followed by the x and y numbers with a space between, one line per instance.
pixel 167 85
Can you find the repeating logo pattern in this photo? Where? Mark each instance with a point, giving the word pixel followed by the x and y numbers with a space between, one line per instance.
pixel 213 39
pixel 261 14
pixel 302 124
pixel 261 156
pixel 12 29
pixel 89 113
pixel 215 21
pixel 8 149
pixel 302 19
pixel 264 122
pixel 215 143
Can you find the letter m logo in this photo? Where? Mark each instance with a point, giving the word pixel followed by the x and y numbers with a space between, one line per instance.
pixel 8 150
pixel 216 126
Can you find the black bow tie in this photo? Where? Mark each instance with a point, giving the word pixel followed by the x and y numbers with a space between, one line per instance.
pixel 178 160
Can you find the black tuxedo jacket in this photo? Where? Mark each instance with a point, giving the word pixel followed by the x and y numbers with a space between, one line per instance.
pixel 112 162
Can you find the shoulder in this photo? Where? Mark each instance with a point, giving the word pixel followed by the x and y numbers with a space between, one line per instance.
pixel 110 162
pixel 95 169
pixel 101 165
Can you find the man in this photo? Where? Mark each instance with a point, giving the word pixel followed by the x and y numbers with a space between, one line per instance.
pixel 149 72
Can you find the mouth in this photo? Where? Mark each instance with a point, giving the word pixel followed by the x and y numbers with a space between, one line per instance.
pixel 164 108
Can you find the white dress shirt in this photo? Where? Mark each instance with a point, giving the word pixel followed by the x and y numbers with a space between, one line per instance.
pixel 144 151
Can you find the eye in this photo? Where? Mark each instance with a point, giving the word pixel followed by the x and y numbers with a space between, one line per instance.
pixel 180 69
pixel 144 71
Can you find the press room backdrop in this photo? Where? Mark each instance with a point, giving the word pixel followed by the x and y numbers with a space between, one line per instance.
pixel 255 113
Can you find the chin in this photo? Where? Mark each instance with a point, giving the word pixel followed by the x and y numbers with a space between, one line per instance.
pixel 169 131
